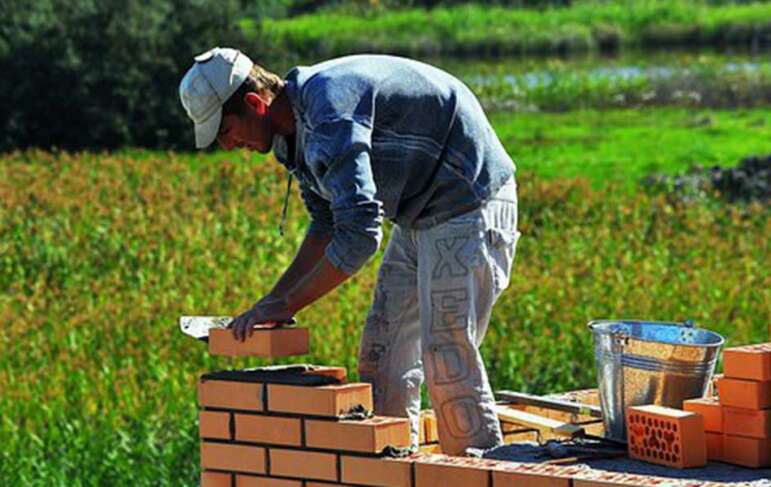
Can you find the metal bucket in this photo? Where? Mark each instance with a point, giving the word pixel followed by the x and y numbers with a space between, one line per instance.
pixel 650 362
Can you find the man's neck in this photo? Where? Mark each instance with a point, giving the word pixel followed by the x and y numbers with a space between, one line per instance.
pixel 282 115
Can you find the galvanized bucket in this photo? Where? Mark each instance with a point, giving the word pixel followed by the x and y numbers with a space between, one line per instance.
pixel 650 362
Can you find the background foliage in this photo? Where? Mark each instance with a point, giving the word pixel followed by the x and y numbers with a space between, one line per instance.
pixel 81 73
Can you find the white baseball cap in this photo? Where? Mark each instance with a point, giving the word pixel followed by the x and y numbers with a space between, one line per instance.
pixel 207 85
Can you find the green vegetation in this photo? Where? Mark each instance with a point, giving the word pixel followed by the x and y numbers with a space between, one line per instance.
pixel 82 74
pixel 100 253
pixel 626 145
pixel 487 30
pixel 559 86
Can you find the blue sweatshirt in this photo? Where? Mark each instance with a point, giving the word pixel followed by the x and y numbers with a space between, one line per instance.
pixel 384 136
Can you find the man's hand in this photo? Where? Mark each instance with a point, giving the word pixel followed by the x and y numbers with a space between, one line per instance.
pixel 268 310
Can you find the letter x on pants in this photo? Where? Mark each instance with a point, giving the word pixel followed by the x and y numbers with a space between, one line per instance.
pixel 433 299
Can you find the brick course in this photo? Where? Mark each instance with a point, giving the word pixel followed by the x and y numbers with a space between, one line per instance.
pixel 331 401
pixel 368 436
pixel 303 464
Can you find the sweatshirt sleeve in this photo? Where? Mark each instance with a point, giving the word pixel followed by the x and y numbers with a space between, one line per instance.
pixel 342 151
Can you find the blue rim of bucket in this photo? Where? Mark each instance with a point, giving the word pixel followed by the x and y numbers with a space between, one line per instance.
pixel 594 323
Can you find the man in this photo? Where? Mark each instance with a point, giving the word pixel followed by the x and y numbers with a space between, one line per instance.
pixel 369 137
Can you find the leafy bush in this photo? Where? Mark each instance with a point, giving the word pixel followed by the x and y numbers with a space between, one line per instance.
pixel 103 74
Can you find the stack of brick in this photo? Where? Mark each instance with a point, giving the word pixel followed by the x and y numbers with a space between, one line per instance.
pixel 279 428
pixel 308 427
pixel 740 431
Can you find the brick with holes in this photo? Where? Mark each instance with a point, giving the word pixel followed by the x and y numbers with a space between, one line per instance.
pixel 369 435
pixel 266 341
pixel 329 401
pixel 666 436
pixel 752 362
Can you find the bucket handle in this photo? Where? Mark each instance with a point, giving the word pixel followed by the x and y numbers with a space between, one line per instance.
pixel 620 335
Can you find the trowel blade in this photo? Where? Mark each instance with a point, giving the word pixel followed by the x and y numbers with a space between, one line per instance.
pixel 198 326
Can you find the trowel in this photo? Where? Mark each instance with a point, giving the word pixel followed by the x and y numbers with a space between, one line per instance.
pixel 198 326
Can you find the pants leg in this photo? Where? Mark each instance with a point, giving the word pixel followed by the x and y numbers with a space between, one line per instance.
pixel 463 266
pixel 390 355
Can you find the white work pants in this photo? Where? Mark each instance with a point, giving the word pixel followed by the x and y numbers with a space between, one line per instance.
pixel 435 292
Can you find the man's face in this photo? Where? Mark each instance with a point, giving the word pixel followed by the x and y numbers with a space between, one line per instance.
pixel 251 130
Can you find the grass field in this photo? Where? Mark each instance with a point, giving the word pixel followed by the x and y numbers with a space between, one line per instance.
pixel 100 253
pixel 485 30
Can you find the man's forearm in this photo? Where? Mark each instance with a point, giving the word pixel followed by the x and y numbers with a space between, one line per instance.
pixel 323 278
pixel 308 256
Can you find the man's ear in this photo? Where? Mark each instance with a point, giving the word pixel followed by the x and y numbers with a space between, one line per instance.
pixel 259 105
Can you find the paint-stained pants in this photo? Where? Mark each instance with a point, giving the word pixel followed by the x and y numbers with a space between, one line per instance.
pixel 435 292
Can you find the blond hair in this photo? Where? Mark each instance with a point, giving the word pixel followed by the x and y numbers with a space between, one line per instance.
pixel 261 81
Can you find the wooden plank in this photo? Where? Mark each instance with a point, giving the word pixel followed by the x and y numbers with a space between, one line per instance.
pixel 539 422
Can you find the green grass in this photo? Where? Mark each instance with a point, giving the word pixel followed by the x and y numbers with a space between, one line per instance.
pixel 472 29
pixel 100 254
pixel 626 145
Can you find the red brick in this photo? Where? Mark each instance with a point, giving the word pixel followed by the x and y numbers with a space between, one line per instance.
pixel 747 422
pixel 266 342
pixel 214 424
pixel 710 409
pixel 303 464
pixel 666 436
pixel 746 394
pixel 330 401
pixel 228 394
pixel 514 475
pixel 253 481
pixel 444 470
pixel 382 472
pixel 715 446
pixel 747 452
pixel 368 436
pixel 272 430
pixel 216 479
pixel 237 458
pixel 751 362
pixel 324 484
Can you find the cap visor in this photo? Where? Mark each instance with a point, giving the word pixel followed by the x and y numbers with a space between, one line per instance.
pixel 206 131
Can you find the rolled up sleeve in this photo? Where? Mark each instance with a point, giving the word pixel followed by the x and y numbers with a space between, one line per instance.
pixel 343 148
pixel 322 222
